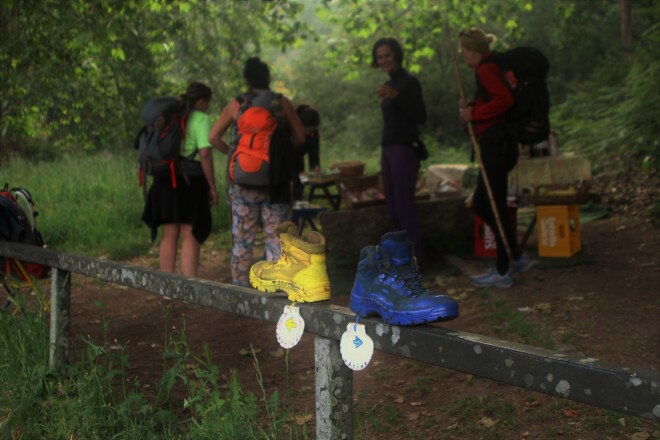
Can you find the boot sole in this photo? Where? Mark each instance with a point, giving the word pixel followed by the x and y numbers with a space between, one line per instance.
pixel 319 292
pixel 367 307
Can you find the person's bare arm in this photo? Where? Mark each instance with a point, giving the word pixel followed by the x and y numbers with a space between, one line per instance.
pixel 221 125
pixel 206 159
pixel 297 129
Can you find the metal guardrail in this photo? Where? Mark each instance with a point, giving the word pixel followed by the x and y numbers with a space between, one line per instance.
pixel 588 380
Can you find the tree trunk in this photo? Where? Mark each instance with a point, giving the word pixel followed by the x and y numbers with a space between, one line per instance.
pixel 625 11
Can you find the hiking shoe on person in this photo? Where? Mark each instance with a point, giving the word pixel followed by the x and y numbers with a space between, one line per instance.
pixel 523 264
pixel 390 286
pixel 492 278
pixel 301 270
pixel 286 232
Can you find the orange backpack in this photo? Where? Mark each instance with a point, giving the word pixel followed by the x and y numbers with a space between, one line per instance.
pixel 249 163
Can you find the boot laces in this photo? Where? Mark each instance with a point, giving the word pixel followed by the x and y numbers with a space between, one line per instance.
pixel 411 278
pixel 284 260
pixel 405 276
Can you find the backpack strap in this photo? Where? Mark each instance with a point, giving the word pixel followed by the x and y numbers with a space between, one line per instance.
pixel 481 90
pixel 244 102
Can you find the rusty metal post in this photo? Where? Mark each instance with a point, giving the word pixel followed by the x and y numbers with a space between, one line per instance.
pixel 334 392
pixel 60 318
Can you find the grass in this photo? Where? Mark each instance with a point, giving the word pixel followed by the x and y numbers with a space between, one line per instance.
pixel 91 204
pixel 382 373
pixel 94 398
pixel 471 411
pixel 568 337
pixel 511 323
pixel 420 384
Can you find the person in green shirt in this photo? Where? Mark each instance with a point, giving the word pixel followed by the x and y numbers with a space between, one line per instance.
pixel 186 210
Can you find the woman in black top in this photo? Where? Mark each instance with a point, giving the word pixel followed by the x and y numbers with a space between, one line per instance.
pixel 403 110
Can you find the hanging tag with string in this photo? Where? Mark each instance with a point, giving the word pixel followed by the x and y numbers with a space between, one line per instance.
pixel 356 346
pixel 290 327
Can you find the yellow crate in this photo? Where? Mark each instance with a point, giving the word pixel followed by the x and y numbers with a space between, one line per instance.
pixel 558 228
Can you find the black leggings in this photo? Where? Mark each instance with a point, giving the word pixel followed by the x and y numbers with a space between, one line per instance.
pixel 499 155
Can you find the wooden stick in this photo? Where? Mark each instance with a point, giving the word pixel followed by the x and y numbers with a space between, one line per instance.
pixel 477 151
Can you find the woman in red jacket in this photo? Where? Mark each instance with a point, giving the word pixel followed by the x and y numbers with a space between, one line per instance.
pixel 499 153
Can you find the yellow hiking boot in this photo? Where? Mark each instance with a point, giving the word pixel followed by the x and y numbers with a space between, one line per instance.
pixel 300 272
pixel 286 231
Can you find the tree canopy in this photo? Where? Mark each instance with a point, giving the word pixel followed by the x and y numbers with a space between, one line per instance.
pixel 75 73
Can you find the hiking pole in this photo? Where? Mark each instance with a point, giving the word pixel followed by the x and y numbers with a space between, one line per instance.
pixel 477 151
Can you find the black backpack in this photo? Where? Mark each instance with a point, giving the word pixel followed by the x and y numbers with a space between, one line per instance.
pixel 525 70
pixel 18 223
pixel 160 141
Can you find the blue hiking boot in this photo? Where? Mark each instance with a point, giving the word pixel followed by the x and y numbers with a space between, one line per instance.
pixel 389 285
pixel 492 278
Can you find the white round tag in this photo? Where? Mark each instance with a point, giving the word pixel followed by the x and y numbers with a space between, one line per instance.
pixel 356 347
pixel 290 327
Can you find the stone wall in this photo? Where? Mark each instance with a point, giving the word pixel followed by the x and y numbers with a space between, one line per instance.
pixel 445 223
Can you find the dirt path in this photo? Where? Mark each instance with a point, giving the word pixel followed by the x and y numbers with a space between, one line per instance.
pixel 604 303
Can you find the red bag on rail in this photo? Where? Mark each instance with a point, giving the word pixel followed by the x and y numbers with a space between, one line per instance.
pixel 18 223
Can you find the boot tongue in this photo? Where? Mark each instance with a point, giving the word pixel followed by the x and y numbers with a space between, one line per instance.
pixel 399 249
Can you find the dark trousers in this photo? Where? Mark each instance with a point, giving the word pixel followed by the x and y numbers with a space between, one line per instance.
pixel 298 189
pixel 499 155
pixel 399 166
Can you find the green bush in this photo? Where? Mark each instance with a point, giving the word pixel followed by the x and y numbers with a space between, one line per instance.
pixel 613 118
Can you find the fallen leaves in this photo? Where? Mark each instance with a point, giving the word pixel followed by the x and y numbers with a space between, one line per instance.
pixel 531 404
pixel 303 419
pixel 539 308
pixel 487 422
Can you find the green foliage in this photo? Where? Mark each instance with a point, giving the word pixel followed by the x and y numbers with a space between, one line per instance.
pixel 334 74
pixel 613 117
pixel 469 410
pixel 512 323
pixel 609 100
pixel 76 73
pixel 66 80
pixel 569 33
pixel 23 359
pixel 214 413
pixel 94 399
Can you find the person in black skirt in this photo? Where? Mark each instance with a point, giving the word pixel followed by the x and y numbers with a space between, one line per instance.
pixel 185 210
